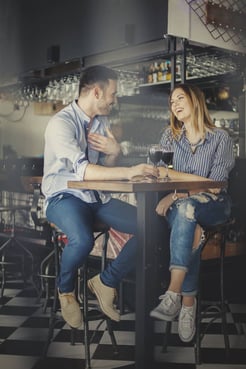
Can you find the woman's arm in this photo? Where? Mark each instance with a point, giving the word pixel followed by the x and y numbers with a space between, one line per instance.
pixel 174 174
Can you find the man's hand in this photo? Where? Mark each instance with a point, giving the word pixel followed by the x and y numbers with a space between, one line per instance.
pixel 143 171
pixel 106 144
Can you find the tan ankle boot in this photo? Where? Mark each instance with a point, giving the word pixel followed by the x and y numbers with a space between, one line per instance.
pixel 105 296
pixel 70 309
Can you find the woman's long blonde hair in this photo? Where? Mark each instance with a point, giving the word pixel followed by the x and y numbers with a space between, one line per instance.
pixel 200 116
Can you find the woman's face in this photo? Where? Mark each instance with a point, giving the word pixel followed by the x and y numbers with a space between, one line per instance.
pixel 180 105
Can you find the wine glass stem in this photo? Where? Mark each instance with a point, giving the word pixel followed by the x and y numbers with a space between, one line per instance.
pixel 167 174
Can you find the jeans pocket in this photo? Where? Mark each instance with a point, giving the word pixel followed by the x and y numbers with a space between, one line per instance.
pixel 54 200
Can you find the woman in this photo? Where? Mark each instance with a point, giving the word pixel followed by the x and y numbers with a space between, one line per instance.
pixel 200 150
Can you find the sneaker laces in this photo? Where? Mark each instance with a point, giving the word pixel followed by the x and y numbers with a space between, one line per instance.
pixel 169 299
pixel 187 316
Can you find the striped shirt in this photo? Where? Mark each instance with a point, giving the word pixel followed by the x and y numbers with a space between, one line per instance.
pixel 212 158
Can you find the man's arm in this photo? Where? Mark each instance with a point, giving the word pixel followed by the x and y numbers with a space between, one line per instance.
pixel 96 172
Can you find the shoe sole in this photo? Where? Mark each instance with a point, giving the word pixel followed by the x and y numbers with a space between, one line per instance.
pixel 93 290
pixel 187 339
pixel 167 318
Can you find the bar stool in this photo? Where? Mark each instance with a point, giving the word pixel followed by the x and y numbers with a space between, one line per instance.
pixel 89 310
pixel 13 252
pixel 46 268
pixel 213 310
pixel 210 310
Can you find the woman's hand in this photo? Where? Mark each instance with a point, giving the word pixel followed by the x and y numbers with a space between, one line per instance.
pixel 164 205
pixel 167 201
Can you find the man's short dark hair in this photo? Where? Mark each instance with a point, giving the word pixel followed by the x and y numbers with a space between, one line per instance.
pixel 96 74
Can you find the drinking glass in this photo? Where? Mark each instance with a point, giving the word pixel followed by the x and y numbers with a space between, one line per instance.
pixel 167 158
pixel 155 154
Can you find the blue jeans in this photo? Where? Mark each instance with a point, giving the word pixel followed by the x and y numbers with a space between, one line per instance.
pixel 76 218
pixel 205 209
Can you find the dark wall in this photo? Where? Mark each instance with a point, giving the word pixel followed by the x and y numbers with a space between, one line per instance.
pixel 79 27
pixel 10 42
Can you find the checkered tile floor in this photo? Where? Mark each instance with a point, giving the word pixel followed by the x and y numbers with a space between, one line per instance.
pixel 24 328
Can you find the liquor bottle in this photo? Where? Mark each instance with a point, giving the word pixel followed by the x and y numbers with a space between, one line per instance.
pixel 150 73
pixel 168 75
pixel 160 72
pixel 155 72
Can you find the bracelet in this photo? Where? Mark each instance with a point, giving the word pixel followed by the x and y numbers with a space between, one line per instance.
pixel 174 196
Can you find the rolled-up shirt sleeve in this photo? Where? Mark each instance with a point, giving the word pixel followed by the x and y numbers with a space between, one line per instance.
pixel 80 166
pixel 65 146
pixel 224 159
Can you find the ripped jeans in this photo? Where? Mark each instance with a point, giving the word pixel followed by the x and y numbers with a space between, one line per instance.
pixel 184 214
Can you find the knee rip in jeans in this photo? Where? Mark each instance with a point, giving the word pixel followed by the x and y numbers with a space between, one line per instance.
pixel 189 209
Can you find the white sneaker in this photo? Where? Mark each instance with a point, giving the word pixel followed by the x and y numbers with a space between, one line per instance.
pixel 187 322
pixel 168 308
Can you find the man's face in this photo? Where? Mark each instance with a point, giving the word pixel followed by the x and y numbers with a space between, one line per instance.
pixel 107 98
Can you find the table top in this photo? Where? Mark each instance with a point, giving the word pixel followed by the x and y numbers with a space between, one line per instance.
pixel 129 186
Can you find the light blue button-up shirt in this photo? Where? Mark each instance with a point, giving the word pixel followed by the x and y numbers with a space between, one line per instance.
pixel 213 157
pixel 65 152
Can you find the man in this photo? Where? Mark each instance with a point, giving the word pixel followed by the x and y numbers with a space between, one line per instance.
pixel 80 146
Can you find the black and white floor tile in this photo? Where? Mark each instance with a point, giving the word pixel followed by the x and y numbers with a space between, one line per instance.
pixel 24 329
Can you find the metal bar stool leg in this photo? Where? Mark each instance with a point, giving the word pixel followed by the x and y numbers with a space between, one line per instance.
pixel 4 263
pixel 166 336
pixel 222 297
pixel 198 330
pixel 46 277
pixel 219 307
pixel 112 336
pixel 53 317
pixel 86 318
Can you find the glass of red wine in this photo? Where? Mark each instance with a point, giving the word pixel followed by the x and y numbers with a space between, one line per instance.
pixel 167 158
pixel 155 154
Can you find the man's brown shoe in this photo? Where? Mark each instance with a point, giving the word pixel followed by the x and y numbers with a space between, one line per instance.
pixel 70 309
pixel 105 296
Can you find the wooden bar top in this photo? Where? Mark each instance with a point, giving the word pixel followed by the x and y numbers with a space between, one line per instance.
pixel 129 186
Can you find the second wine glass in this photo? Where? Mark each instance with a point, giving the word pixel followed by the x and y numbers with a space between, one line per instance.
pixel 167 158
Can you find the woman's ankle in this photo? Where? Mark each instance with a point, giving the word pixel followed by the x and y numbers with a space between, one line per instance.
pixel 188 300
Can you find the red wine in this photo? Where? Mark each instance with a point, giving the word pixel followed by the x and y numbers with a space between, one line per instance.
pixel 167 157
pixel 155 156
